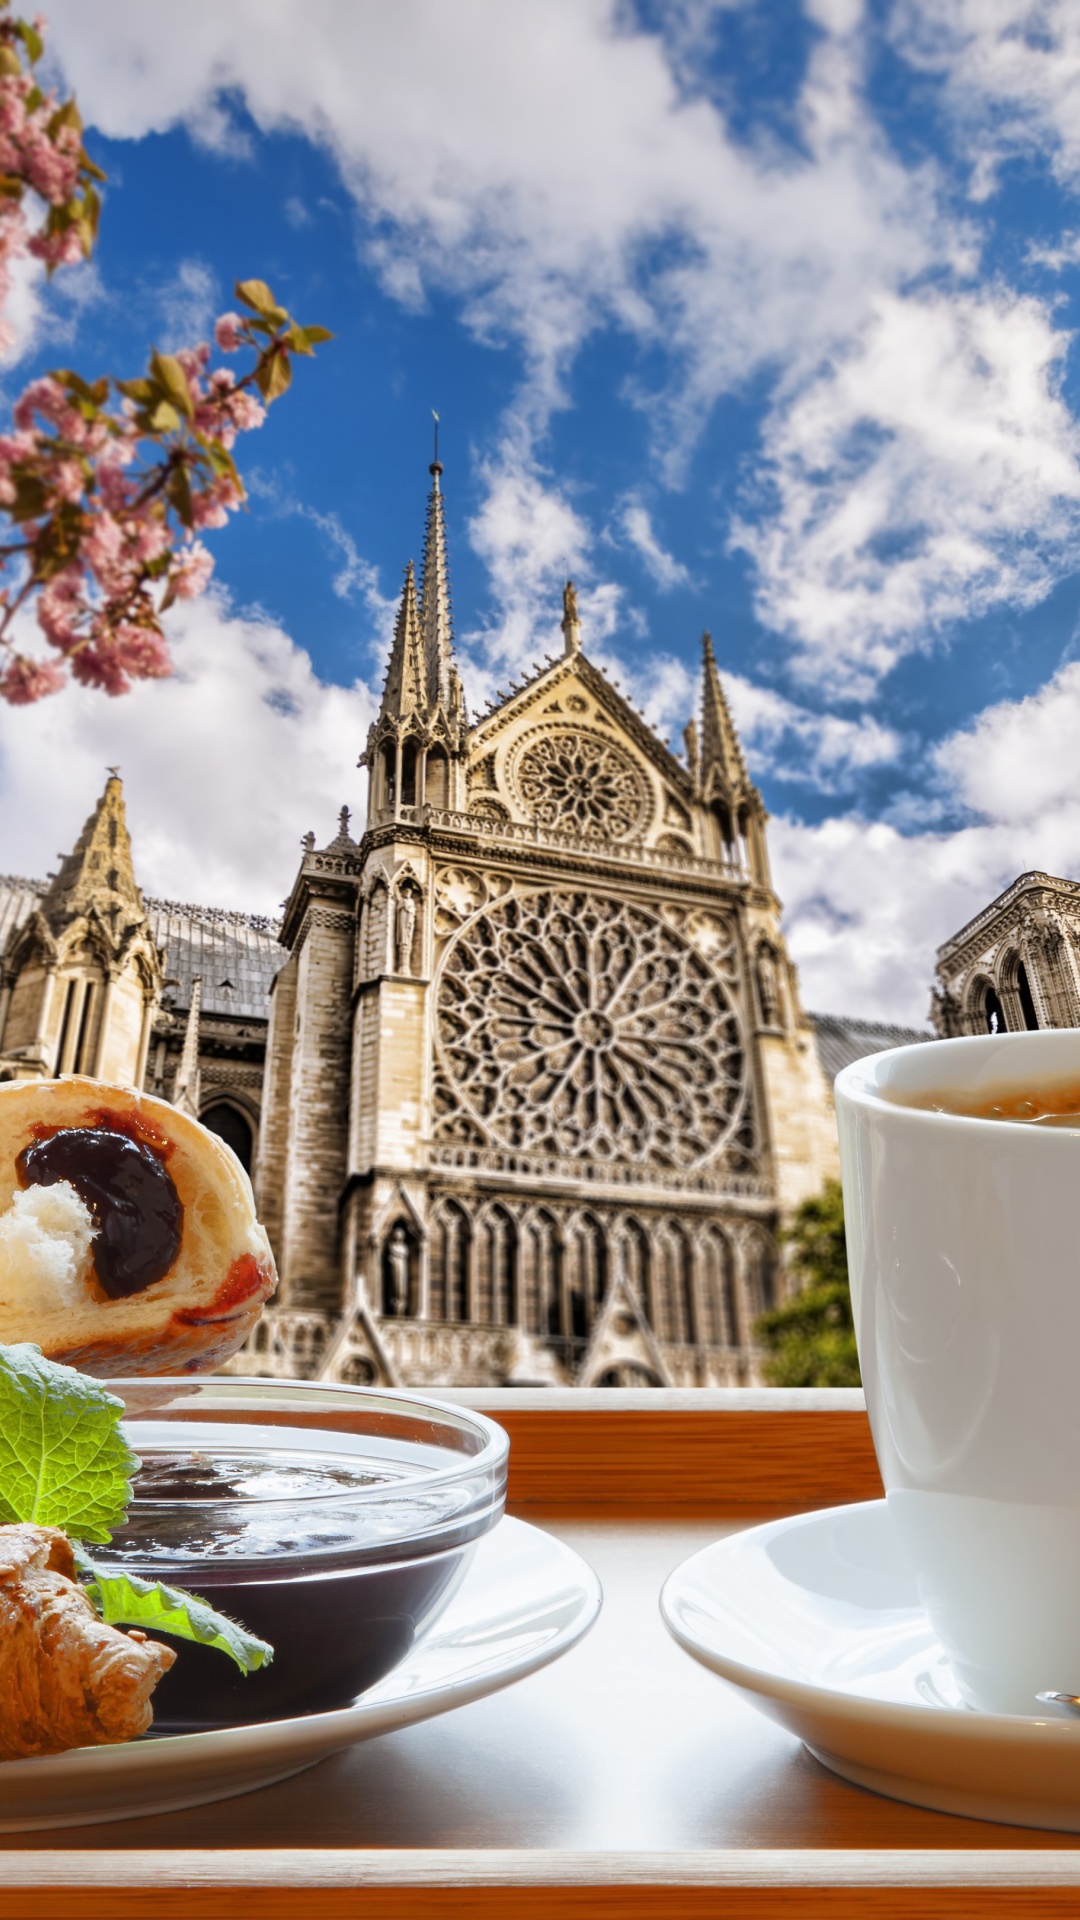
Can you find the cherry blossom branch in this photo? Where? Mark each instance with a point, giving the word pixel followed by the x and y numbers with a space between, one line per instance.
pixel 110 481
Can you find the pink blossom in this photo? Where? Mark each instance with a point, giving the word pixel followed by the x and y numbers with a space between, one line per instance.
pixel 97 667
pixel 23 681
pixel 68 480
pixel 45 396
pixel 190 572
pixel 57 249
pixel 227 332
pixel 102 550
pixel 247 412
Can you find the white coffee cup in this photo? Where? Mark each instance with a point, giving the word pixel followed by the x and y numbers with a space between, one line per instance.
pixel 964 1250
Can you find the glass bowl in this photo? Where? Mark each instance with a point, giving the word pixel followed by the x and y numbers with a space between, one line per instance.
pixel 334 1522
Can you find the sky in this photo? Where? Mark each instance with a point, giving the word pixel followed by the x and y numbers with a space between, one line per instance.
pixel 755 316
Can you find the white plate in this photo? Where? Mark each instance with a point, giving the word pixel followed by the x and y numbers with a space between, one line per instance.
pixel 525 1599
pixel 817 1620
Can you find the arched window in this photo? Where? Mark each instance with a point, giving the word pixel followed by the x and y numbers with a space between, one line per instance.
pixel 389 766
pixel 718 1303
pixel 632 1250
pixel 448 1272
pixel 496 1270
pixel 233 1127
pixel 760 1276
pixel 1027 1003
pixel 436 788
pixel 408 774
pixel 721 814
pixel 586 1276
pixel 542 1304
pixel 673 1302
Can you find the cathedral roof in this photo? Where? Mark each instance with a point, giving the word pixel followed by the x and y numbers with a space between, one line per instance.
pixel 237 955
pixel 840 1041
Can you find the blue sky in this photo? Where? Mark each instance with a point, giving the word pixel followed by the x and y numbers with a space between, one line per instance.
pixel 755 316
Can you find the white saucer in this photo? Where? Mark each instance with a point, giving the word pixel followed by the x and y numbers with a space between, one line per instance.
pixel 525 1599
pixel 816 1619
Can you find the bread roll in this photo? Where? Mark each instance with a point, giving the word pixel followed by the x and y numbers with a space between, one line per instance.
pixel 128 1237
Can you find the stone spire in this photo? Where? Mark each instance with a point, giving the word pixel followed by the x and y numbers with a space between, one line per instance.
pixel 98 873
pixel 720 748
pixel 186 1085
pixel 436 624
pixel 406 689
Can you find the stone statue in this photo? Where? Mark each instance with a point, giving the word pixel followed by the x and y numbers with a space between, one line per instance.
pixel 399 1272
pixel 405 928
pixel 569 603
pixel 768 992
pixel 690 740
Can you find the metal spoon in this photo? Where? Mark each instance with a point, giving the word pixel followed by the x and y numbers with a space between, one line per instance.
pixel 1070 1700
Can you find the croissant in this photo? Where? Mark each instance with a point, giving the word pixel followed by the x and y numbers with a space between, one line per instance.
pixel 66 1679
pixel 128 1237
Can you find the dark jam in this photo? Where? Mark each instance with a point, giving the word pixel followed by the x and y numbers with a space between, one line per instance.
pixel 130 1196
pixel 335 1628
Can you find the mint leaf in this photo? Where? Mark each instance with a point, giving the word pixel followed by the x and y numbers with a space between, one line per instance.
pixel 124 1599
pixel 63 1460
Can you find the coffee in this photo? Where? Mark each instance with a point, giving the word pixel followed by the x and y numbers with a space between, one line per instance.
pixel 1053 1106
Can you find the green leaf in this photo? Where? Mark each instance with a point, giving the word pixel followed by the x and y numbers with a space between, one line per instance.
pixel 172 380
pixel 164 418
pixel 257 295
pixel 273 375
pixel 31 39
pixel 179 493
pixel 125 1599
pixel 63 1460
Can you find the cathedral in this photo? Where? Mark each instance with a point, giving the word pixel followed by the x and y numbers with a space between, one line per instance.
pixel 522 1074
pixel 539 1089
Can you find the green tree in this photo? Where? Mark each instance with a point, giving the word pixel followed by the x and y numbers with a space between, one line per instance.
pixel 811 1338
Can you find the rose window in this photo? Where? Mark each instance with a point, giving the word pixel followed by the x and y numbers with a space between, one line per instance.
pixel 582 782
pixel 586 1028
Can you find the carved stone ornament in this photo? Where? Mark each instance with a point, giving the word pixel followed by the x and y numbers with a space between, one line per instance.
pixel 586 1028
pixel 576 781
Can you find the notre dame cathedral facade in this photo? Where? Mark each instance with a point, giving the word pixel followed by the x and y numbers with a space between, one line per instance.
pixel 522 1075
pixel 539 1089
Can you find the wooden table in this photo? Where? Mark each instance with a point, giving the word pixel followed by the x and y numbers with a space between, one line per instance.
pixel 623 1780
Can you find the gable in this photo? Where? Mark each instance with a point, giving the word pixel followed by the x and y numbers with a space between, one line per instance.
pixel 567 753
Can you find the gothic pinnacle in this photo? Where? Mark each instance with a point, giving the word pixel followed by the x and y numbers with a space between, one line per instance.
pixel 436 623
pixel 720 746
pixel 406 687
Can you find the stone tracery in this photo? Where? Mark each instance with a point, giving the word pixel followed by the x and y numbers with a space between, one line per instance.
pixel 583 1026
pixel 573 779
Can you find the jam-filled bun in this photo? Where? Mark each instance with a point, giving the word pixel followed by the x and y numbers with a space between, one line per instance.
pixel 128 1237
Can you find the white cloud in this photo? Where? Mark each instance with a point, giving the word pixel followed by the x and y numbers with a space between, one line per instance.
pixel 866 906
pixel 188 304
pixel 544 165
pixel 225 766
pixel 795 743
pixel 635 524
pixel 908 479
pixel 1012 73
